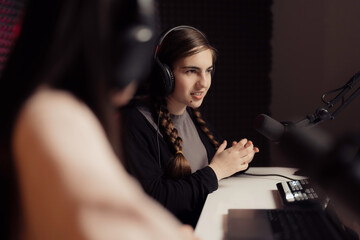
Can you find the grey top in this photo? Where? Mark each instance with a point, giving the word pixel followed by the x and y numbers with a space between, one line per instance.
pixel 192 147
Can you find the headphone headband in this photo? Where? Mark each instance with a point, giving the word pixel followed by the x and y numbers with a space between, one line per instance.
pixel 163 36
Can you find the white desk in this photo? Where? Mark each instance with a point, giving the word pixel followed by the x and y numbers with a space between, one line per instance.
pixel 241 191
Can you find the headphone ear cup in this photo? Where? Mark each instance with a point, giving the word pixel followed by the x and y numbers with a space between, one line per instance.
pixel 165 78
pixel 134 41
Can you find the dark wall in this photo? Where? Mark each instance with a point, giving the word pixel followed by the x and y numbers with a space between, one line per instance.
pixel 241 89
pixel 315 49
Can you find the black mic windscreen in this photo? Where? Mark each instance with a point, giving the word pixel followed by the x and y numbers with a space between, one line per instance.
pixel 269 127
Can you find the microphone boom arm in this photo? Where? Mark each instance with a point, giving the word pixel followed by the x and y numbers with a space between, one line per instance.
pixel 323 113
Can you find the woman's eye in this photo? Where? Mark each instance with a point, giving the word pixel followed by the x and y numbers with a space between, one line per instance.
pixel 190 71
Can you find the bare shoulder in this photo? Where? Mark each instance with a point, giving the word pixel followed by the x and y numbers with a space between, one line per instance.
pixel 49 109
pixel 55 129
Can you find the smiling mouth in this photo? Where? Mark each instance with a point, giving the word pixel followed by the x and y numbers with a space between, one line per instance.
pixel 196 94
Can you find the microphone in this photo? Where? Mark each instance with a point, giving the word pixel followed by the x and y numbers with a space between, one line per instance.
pixel 269 127
pixel 274 130
pixel 296 139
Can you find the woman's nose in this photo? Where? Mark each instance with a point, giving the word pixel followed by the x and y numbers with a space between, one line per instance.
pixel 204 80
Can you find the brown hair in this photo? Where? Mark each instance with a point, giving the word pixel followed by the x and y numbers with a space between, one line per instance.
pixel 178 44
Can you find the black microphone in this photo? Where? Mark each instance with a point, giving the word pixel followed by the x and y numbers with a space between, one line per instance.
pixel 274 130
pixel 269 127
pixel 295 139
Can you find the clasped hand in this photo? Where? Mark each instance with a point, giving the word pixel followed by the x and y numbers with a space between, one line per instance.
pixel 236 158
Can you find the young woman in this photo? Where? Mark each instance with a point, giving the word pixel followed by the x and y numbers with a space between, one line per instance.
pixel 170 149
pixel 60 174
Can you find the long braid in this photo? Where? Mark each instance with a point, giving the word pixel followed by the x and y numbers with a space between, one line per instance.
pixel 178 167
pixel 204 128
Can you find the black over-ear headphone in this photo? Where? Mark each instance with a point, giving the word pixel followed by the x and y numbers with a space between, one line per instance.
pixel 162 72
pixel 134 41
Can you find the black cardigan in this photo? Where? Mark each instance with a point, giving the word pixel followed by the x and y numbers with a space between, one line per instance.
pixel 184 197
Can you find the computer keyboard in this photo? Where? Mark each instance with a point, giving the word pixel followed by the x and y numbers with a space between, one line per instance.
pixel 302 224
